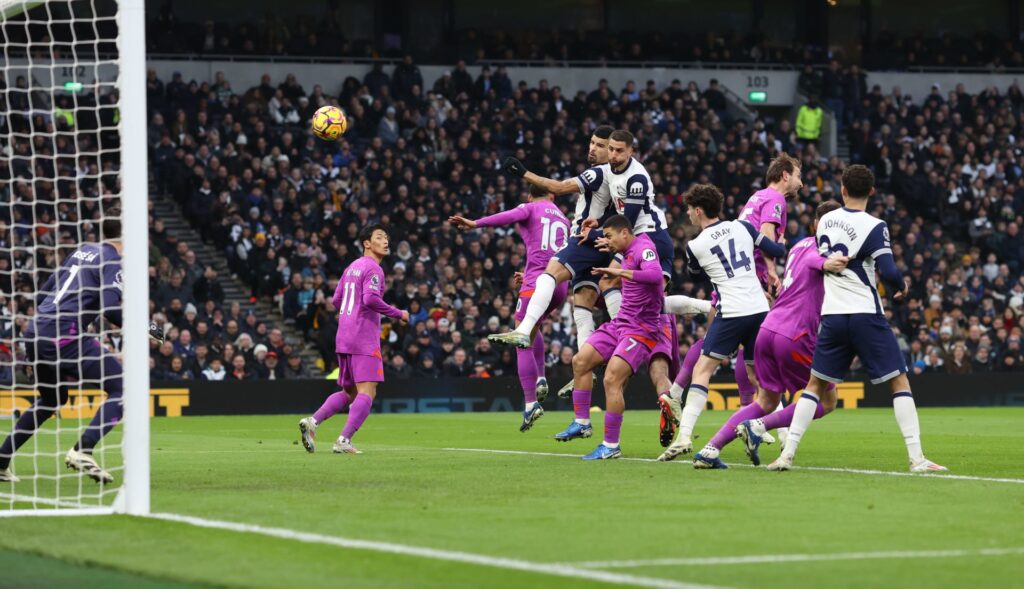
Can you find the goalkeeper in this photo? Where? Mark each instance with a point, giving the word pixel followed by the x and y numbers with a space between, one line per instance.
pixel 59 347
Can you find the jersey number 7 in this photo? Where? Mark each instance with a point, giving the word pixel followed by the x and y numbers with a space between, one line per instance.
pixel 732 263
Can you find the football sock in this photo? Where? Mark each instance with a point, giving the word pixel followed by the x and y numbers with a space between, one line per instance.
pixel 527 364
pixel 906 416
pixel 746 388
pixel 696 400
pixel 612 301
pixel 108 416
pixel 334 405
pixel 584 318
pixel 612 428
pixel 581 405
pixel 802 417
pixel 357 414
pixel 539 302
pixel 538 353
pixel 727 433
pixel 682 379
pixel 684 305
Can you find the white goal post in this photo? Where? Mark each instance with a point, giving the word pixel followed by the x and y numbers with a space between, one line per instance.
pixel 68 151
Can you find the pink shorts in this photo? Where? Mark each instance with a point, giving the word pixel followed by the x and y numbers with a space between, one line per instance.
pixel 668 344
pixel 557 300
pixel 353 368
pixel 629 344
pixel 783 365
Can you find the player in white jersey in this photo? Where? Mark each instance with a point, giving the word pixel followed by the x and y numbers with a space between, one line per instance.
pixel 724 250
pixel 852 321
pixel 575 261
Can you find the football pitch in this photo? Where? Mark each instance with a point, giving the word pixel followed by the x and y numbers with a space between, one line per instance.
pixel 465 500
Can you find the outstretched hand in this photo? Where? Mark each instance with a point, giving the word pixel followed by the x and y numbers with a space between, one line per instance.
pixel 462 222
pixel 609 272
pixel 514 167
pixel 902 295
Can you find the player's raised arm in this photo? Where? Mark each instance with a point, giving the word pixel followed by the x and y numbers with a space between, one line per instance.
pixel 765 244
pixel 509 217
pixel 514 167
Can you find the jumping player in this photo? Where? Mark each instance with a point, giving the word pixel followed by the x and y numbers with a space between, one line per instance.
pixel 853 323
pixel 575 261
pixel 723 250
pixel 782 353
pixel 358 299
pixel 86 285
pixel 545 231
pixel 624 343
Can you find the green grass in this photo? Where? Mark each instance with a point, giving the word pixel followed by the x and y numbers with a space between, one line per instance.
pixel 407 489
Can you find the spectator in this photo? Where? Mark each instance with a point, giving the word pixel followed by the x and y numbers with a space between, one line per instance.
pixel 808 121
pixel 295 368
pixel 426 367
pixel 458 364
pixel 398 368
pixel 272 367
pixel 215 371
pixel 239 370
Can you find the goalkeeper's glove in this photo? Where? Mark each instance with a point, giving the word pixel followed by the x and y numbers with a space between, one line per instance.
pixel 156 332
pixel 514 167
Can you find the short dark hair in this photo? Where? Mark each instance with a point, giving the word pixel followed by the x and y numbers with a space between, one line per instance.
pixel 706 197
pixel 622 135
pixel 110 227
pixel 858 181
pixel 367 233
pixel 618 223
pixel 537 191
pixel 825 208
pixel 604 131
pixel 783 164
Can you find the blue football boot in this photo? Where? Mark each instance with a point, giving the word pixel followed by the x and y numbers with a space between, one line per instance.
pixel 603 452
pixel 575 430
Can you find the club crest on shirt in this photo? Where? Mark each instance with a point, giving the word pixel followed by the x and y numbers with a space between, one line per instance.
pixel 648 255
pixel 778 210
pixel 374 282
pixel 885 235
pixel 589 176
pixel 119 281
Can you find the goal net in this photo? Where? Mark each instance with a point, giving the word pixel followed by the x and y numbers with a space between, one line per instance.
pixel 74 390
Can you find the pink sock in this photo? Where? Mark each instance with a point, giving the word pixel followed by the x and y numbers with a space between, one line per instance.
pixel 527 374
pixel 728 431
pixel 357 414
pixel 581 403
pixel 612 427
pixel 538 353
pixel 334 404
pixel 785 417
pixel 746 388
pixel 689 361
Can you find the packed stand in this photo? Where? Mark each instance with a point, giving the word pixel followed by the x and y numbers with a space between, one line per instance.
pixel 285 208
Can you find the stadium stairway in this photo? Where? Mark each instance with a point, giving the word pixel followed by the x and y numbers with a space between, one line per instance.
pixel 165 209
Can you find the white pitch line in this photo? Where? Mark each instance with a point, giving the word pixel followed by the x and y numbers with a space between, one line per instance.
pixel 555 569
pixel 780 558
pixel 891 473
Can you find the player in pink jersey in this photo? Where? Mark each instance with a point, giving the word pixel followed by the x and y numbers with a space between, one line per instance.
pixel 624 343
pixel 783 350
pixel 545 231
pixel 359 302
pixel 766 212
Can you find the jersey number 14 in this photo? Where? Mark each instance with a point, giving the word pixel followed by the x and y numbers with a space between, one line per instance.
pixel 732 263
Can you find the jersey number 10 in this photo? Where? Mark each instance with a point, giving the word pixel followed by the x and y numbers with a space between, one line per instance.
pixel 732 263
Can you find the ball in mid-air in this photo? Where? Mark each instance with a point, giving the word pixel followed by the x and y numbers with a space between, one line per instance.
pixel 329 123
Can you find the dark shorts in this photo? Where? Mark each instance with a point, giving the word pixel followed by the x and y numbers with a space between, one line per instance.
pixel 867 335
pixel 727 334
pixel 579 260
pixel 80 358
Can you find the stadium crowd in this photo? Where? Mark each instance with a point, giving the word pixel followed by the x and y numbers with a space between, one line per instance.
pixel 285 207
pixel 305 36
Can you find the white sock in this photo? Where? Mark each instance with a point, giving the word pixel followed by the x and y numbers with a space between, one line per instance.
pixel 582 421
pixel 612 301
pixel 584 318
pixel 676 392
pixel 539 302
pixel 610 445
pixel 783 432
pixel 530 406
pixel 683 305
pixel 906 416
pixel 802 417
pixel 696 400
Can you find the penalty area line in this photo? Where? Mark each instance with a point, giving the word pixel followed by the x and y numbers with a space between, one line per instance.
pixel 782 558
pixel 554 569
pixel 891 473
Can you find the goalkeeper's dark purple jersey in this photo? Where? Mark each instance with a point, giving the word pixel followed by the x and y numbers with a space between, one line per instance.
pixel 86 285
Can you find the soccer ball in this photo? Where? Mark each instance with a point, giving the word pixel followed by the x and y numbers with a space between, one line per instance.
pixel 329 123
